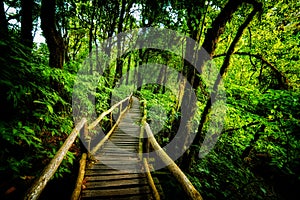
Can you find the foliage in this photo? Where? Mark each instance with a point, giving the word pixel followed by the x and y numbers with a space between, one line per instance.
pixel 35 111
pixel 260 143
pixel 257 154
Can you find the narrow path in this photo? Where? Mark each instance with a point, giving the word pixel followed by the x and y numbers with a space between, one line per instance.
pixel 116 173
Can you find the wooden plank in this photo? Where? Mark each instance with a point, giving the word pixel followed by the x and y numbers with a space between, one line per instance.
pixel 108 172
pixel 101 165
pixel 117 146
pixel 116 166
pixel 120 159
pixel 117 156
pixel 115 192
pixel 120 141
pixel 127 143
pixel 123 156
pixel 131 197
pixel 127 183
pixel 114 177
pixel 117 162
pixel 124 138
pixel 124 143
pixel 125 150
pixel 120 153
pixel 122 148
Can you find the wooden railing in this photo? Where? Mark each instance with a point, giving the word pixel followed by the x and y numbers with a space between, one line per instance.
pixel 40 183
pixel 123 105
pixel 185 183
pixel 36 189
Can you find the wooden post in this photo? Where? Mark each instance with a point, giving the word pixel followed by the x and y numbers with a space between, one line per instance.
pixel 36 189
pixel 111 119
pixel 173 168
pixel 87 137
pixel 144 120
pixel 120 111
pixel 77 190
pixel 150 180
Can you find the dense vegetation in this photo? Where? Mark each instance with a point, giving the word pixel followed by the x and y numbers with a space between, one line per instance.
pixel 254 46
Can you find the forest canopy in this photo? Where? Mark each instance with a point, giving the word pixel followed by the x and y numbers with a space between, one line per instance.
pixel 252 50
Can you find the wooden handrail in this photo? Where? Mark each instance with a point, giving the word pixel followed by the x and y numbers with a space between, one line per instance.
pixel 188 187
pixel 38 186
pixel 99 145
pixel 36 189
pixel 96 122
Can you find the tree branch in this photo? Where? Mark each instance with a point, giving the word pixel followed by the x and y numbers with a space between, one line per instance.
pixel 282 79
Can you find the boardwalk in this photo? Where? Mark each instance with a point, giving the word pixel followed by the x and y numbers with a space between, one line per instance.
pixel 116 170
pixel 115 174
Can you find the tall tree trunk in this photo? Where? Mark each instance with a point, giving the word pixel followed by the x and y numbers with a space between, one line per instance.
pixel 91 42
pixel 223 71
pixel 128 69
pixel 26 23
pixel 54 40
pixel 119 65
pixel 210 45
pixel 3 22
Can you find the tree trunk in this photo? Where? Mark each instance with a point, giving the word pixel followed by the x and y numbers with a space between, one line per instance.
pixel 120 62
pixel 3 22
pixel 128 69
pixel 210 45
pixel 26 23
pixel 54 40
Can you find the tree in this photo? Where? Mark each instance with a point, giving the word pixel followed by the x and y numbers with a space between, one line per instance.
pixel 26 22
pixel 54 39
pixel 3 22
pixel 210 44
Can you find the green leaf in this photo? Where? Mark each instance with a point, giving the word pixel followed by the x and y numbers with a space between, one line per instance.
pixel 50 108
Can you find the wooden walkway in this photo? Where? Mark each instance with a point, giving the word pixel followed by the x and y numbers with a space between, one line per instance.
pixel 116 171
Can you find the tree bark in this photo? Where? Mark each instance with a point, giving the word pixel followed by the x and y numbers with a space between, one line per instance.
pixel 54 39
pixel 26 23
pixel 119 65
pixel 3 22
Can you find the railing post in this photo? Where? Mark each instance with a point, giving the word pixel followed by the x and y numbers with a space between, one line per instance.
pixel 120 111
pixel 111 119
pixel 87 137
pixel 81 172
